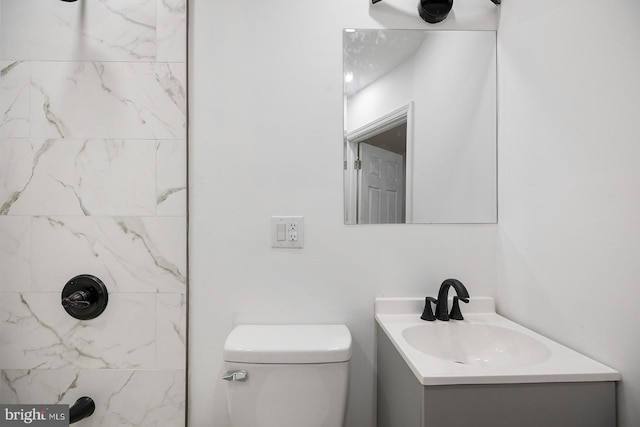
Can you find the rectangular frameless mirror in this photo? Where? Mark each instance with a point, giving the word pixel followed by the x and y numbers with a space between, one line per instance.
pixel 420 126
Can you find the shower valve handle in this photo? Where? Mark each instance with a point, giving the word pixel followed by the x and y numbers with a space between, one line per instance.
pixel 84 297
pixel 78 299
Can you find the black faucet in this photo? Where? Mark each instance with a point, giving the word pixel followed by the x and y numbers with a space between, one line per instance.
pixel 442 307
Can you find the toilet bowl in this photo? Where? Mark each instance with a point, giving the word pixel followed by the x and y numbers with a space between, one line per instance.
pixel 287 375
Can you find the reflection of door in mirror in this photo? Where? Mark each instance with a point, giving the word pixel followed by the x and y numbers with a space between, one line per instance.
pixel 378 170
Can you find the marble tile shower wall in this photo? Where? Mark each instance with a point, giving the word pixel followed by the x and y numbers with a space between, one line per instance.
pixel 93 180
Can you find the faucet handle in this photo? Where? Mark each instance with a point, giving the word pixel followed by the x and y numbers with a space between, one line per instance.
pixel 455 310
pixel 78 299
pixel 427 314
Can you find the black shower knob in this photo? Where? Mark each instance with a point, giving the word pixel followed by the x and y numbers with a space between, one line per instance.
pixel 85 297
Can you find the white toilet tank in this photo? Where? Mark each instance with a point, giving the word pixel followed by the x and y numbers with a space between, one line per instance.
pixel 287 375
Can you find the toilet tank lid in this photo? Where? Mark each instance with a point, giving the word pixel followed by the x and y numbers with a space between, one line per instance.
pixel 288 344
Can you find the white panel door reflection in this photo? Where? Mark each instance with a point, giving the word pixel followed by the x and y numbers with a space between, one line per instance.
pixel 381 186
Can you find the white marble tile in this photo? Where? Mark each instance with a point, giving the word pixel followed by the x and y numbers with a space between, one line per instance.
pixel 24 386
pixel 145 398
pixel 103 30
pixel 92 147
pixel 15 254
pixel 14 99
pixel 77 177
pixel 14 386
pixel 108 100
pixel 122 397
pixel 171 170
pixel 128 254
pixel 172 31
pixel 37 333
pixel 171 331
pixel 17 157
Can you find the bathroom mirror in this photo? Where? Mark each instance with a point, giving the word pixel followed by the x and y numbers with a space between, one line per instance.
pixel 420 126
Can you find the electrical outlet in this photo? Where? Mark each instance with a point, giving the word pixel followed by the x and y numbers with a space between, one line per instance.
pixel 293 237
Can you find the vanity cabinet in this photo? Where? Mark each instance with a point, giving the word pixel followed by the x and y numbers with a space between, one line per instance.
pixel 402 401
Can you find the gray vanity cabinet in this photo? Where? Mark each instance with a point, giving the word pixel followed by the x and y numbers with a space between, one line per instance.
pixel 404 402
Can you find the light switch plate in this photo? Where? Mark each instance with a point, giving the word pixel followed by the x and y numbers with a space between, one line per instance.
pixel 294 232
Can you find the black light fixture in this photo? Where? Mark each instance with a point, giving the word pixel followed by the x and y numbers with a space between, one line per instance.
pixel 434 11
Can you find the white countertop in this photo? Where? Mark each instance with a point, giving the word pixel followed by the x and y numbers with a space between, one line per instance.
pixel 564 365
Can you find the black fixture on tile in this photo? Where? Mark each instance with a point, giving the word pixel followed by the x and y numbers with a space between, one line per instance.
pixel 82 409
pixel 84 297
pixel 443 294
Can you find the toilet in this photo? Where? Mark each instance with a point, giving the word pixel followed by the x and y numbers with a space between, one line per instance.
pixel 287 375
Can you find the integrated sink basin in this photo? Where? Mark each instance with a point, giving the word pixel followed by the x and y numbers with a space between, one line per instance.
pixel 476 344
pixel 484 348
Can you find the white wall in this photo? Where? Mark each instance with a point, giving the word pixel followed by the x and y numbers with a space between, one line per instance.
pixel 266 139
pixel 570 178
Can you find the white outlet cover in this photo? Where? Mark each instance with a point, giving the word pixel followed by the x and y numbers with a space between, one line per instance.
pixel 292 223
